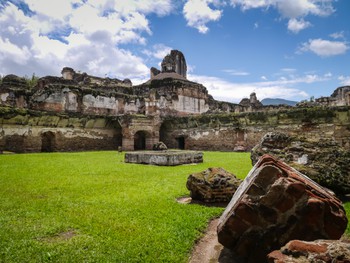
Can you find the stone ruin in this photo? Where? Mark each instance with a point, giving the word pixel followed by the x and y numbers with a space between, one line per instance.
pixel 214 185
pixel 251 102
pixel 78 112
pixel 160 146
pixel 164 158
pixel 274 205
pixel 323 160
pixel 298 251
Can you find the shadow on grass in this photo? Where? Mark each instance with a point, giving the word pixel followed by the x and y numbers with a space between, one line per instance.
pixel 189 200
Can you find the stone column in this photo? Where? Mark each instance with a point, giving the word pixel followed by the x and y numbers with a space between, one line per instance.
pixel 127 144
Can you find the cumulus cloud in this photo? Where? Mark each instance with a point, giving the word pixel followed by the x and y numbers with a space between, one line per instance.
pixel 248 4
pixel 324 48
pixel 296 25
pixel 282 87
pixel 41 37
pixel 300 8
pixel 198 13
pixel 293 10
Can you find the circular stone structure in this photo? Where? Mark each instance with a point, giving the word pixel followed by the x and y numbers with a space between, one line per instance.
pixel 164 158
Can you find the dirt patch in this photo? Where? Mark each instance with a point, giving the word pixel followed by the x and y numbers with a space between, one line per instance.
pixel 208 249
pixel 60 237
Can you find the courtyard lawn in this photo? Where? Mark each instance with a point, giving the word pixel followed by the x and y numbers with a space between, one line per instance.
pixel 93 207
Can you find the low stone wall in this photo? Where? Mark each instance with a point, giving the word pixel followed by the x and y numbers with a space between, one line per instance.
pixel 164 158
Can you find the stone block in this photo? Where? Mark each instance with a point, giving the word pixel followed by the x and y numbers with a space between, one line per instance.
pixel 212 185
pixel 298 251
pixel 164 158
pixel 276 204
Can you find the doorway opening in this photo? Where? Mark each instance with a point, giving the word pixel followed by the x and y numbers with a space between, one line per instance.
pixel 140 141
pixel 48 142
pixel 181 143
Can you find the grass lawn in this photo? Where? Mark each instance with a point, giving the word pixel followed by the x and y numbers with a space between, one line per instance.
pixel 92 207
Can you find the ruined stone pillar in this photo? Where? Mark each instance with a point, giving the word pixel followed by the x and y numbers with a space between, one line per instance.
pixel 127 144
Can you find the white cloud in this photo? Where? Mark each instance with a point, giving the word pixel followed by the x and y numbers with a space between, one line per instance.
pixel 291 9
pixel 53 9
pixel 198 13
pixel 296 25
pixel 328 75
pixel 281 88
pixel 324 48
pixel 235 72
pixel 248 4
pixel 18 54
pixel 338 35
pixel 288 70
pixel 84 35
pixel 300 8
pixel 158 51
pixel 344 80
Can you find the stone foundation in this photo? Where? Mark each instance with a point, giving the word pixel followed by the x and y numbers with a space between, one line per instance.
pixel 164 158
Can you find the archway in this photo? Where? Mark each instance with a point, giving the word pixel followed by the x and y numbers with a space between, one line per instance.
pixel 140 140
pixel 47 142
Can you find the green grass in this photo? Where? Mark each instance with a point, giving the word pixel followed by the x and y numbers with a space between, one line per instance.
pixel 93 207
pixel 347 209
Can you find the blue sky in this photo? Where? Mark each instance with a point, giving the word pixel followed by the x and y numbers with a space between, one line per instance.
pixel 291 49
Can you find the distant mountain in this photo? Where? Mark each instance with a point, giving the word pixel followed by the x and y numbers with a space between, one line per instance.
pixel 277 101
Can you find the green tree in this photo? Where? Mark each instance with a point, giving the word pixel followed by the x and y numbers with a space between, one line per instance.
pixel 31 81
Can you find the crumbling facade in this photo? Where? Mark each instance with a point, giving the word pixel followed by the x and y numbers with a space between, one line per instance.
pixel 340 97
pixel 82 112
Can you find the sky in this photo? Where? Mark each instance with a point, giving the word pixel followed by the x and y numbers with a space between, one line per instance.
pixel 290 49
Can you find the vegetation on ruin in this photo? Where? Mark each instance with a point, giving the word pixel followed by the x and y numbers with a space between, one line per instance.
pixel 31 81
pixel 93 207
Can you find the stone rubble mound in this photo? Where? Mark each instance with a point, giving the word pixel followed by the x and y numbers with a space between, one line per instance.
pixel 160 146
pixel 212 185
pixel 298 251
pixel 324 161
pixel 274 205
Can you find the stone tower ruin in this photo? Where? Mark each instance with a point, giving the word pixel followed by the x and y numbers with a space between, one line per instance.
pixel 175 62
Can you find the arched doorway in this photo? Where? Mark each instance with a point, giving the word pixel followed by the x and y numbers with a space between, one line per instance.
pixel 140 140
pixel 47 142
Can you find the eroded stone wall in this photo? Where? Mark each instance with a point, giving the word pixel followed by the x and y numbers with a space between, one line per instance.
pixel 36 132
pixel 241 132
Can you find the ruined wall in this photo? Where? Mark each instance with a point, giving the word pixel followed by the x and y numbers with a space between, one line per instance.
pixel 31 131
pixel 240 132
pixel 173 97
pixel 340 97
